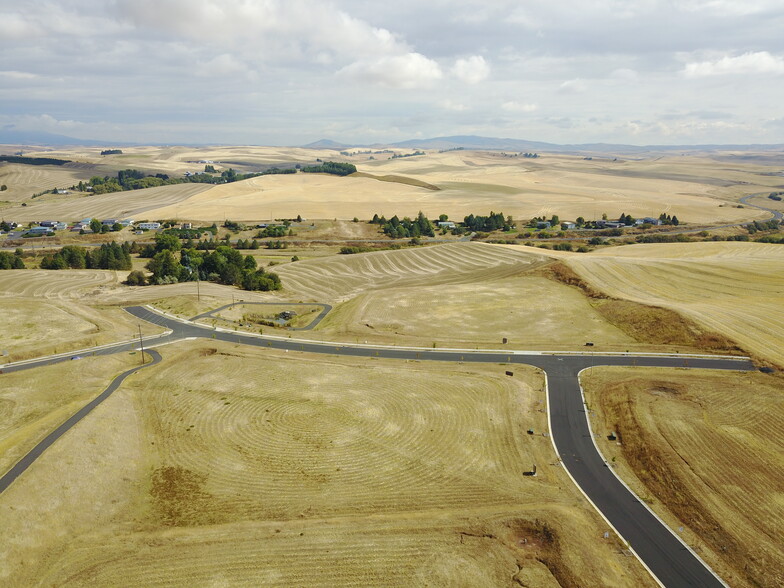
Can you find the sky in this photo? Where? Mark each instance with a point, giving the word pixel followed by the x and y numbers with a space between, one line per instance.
pixel 288 72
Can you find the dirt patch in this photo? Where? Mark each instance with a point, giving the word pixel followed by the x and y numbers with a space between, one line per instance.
pixel 178 494
pixel 560 272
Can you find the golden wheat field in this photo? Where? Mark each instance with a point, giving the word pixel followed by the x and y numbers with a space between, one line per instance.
pixel 234 466
pixel 707 450
pixel 696 188
pixel 733 288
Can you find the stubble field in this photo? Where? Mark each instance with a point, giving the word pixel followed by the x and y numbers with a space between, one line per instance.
pixel 245 466
pixel 705 450
pixel 736 289
pixel 699 187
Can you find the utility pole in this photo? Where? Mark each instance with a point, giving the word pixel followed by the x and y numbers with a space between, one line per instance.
pixel 141 343
pixel 198 295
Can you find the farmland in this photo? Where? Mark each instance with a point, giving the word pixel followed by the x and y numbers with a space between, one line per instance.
pixel 705 449
pixel 237 463
pixel 732 288
pixel 699 188
pixel 227 465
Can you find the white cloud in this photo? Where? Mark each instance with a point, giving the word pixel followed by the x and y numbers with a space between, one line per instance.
pixel 760 62
pixel 513 106
pixel 472 70
pixel 453 106
pixel 18 75
pixel 575 86
pixel 408 71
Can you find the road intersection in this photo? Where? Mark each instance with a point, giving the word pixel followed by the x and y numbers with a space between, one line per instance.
pixel 662 552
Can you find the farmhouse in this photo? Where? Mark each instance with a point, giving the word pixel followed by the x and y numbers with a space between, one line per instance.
pixel 543 225
pixel 649 220
pixel 109 221
pixel 41 231
pixel 446 225
pixel 48 223
pixel 567 226
pixel 149 226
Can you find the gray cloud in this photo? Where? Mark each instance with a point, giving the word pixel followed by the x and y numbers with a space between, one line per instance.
pixel 292 71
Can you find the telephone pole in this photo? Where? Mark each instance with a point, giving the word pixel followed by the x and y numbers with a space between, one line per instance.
pixel 141 343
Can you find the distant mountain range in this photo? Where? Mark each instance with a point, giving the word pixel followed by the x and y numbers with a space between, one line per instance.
pixel 521 145
pixel 13 136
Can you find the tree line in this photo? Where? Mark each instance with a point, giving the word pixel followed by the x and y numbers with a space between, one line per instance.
pixel 110 256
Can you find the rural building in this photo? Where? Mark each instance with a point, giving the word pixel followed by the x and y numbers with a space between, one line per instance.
pixel 567 226
pixel 446 225
pixel 109 221
pixel 48 223
pixel 149 226
pixel 63 192
pixel 80 227
pixel 647 220
pixel 126 222
pixel 60 227
pixel 40 231
pixel 186 226
pixel 543 225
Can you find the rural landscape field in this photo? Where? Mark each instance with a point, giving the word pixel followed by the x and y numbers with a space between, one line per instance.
pixel 228 463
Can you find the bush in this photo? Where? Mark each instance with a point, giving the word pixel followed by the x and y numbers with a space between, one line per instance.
pixel 136 278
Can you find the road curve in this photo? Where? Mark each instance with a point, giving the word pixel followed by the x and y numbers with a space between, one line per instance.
pixel 11 475
pixel 665 556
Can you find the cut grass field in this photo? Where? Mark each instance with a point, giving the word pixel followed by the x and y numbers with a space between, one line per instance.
pixel 131 204
pixel 231 465
pixel 706 451
pixel 46 312
pixel 344 276
pixel 732 288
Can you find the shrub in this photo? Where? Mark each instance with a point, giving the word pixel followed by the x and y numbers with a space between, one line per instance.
pixel 136 278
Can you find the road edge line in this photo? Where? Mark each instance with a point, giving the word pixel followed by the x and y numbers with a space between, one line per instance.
pixel 633 493
pixel 588 498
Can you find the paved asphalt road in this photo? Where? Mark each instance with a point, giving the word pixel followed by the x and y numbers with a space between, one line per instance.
pixel 47 442
pixel 669 560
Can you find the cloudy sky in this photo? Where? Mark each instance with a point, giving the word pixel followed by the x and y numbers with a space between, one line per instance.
pixel 288 72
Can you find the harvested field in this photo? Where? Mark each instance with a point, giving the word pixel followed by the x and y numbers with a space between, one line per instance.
pixel 132 204
pixel 345 276
pixel 25 180
pixel 706 451
pixel 34 403
pixel 239 466
pixel 47 312
pixel 734 289
pixel 531 312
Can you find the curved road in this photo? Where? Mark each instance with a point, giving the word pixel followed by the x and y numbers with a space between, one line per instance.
pixel 665 556
pixel 8 478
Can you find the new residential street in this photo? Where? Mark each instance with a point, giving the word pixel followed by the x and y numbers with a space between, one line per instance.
pixel 668 559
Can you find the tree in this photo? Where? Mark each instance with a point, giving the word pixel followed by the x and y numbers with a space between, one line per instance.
pixel 136 278
pixel 95 225
pixel 167 241
pixel 163 266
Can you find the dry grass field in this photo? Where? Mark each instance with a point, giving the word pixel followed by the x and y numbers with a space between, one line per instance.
pixel 706 451
pixel 342 277
pixel 34 403
pixel 697 188
pixel 226 465
pixel 135 204
pixel 531 312
pixel 47 312
pixel 733 288
pixel 26 180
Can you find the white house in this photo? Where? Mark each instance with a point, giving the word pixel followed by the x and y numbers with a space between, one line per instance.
pixel 149 226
